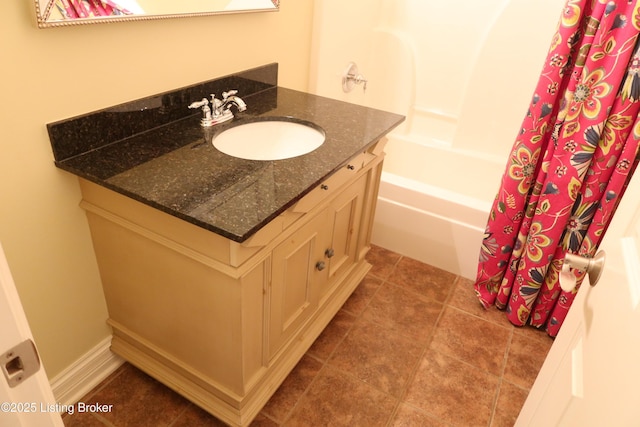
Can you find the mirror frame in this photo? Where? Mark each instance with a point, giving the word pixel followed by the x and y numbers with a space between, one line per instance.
pixel 42 15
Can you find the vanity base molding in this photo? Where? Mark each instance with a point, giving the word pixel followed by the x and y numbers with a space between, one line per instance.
pixel 220 322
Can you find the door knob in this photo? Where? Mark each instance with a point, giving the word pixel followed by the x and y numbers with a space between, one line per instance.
pixel 320 265
pixel 592 266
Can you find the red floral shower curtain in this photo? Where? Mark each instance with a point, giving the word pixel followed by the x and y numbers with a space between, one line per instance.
pixel 570 164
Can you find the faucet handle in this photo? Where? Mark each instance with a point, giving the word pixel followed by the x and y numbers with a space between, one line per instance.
pixel 229 93
pixel 206 111
pixel 198 104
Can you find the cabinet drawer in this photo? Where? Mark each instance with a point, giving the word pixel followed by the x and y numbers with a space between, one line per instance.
pixel 330 185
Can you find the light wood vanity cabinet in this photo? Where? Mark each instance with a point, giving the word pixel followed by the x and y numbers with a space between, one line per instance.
pixel 308 266
pixel 221 322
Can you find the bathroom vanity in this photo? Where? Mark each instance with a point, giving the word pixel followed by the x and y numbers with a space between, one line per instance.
pixel 220 272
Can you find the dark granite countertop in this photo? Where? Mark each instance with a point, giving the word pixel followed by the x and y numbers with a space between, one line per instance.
pixel 176 168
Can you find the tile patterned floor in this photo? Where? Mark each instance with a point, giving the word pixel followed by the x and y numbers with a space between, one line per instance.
pixel 411 347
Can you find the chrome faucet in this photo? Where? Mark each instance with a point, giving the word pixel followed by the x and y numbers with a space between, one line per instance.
pixel 220 110
pixel 231 98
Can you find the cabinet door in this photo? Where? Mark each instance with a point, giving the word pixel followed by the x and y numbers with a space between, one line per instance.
pixel 296 273
pixel 345 213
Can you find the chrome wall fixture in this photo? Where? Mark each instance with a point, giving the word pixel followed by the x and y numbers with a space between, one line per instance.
pixel 352 77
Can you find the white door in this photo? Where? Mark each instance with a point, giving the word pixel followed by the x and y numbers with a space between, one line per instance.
pixel 26 398
pixel 591 375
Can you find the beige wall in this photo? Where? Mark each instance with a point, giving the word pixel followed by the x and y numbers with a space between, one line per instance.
pixel 53 74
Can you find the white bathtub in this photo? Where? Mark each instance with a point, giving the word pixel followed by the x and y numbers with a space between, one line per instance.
pixel 429 224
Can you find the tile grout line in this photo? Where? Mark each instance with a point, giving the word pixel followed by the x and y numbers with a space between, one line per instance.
pixel 423 353
pixel 403 394
pixel 315 377
pixel 184 411
pixel 501 378
pixel 325 363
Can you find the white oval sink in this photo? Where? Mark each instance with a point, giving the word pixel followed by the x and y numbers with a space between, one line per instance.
pixel 270 139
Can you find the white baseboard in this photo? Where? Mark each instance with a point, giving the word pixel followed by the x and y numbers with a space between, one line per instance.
pixel 85 373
